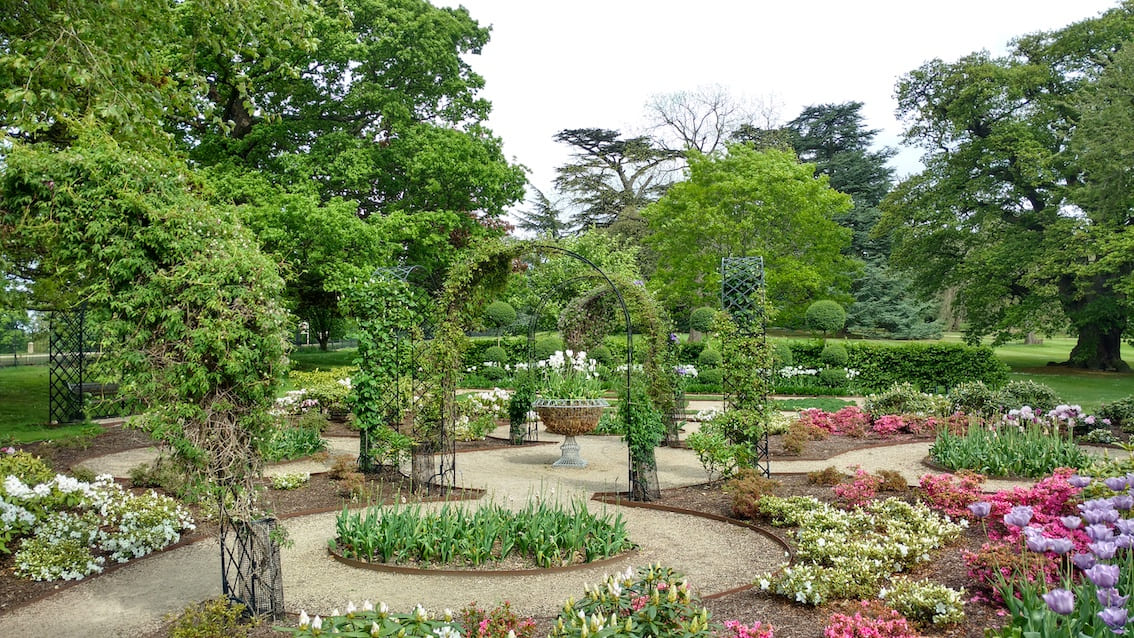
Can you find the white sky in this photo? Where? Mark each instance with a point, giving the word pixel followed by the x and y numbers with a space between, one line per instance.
pixel 595 63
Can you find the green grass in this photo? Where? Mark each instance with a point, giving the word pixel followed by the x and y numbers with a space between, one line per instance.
pixel 24 407
pixel 1088 389
pixel 826 404
pixel 309 359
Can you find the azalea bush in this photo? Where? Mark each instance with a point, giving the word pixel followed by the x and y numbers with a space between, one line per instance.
pixel 871 620
pixel 478 413
pixel 924 603
pixel 290 480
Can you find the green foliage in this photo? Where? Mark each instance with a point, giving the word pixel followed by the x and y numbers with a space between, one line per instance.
pixel 290 481
pixel 904 398
pixel 825 316
pixel 1120 412
pixel 665 607
pixel 926 365
pixel 1017 394
pixel 496 354
pixel 782 355
pixel 835 354
pixel 710 377
pixel 1033 452
pixel 974 398
pixel 544 533
pixel 500 314
pixel 603 355
pixel 287 443
pixel 709 358
pixel 833 378
pixel 747 202
pixel 720 457
pixel 360 622
pixel 214 618
pixel 546 347
pixel 25 466
pixel 924 603
pixel 331 388
pixel 701 319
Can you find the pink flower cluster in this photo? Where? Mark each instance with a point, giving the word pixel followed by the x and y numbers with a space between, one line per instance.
pixel 952 494
pixel 858 492
pixel 738 629
pixel 853 421
pixel 850 420
pixel 875 623
pixel 8 450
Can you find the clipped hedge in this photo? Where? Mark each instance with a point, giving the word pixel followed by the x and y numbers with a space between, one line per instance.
pixel 932 367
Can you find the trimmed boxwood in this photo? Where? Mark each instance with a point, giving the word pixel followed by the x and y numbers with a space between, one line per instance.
pixel 931 367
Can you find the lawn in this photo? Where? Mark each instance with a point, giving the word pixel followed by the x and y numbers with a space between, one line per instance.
pixel 23 408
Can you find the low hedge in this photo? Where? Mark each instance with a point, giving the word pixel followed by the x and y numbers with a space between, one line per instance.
pixel 932 367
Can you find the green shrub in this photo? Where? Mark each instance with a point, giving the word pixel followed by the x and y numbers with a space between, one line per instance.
pixel 27 467
pixel 928 366
pixel 702 319
pixel 214 618
pixel 496 354
pixel 329 387
pixel 903 398
pixel 826 316
pixel 1040 397
pixel 709 358
pixel 1120 412
pixel 162 473
pixel 289 481
pixel 494 373
pixel 924 603
pixel 603 355
pixel 286 443
pixel 500 314
pixel 974 398
pixel 781 354
pixel 312 420
pixel 546 347
pixel 835 355
pixel 710 377
pixel 833 377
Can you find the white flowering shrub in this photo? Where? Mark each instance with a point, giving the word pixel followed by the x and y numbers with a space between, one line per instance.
pixel 846 554
pixel 290 481
pixel 479 412
pixel 925 603
pixel 378 621
pixel 73 519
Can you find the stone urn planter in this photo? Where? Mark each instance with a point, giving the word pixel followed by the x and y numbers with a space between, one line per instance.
pixel 569 418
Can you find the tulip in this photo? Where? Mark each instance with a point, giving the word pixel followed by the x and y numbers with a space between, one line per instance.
pixel 1071 522
pixel 980 509
pixel 1103 550
pixel 1115 618
pixel 1103 575
pixel 1116 483
pixel 1079 481
pixel 1020 516
pixel 1108 597
pixel 1084 560
pixel 1060 601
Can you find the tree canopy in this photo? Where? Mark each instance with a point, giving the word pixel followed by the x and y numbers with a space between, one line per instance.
pixel 750 203
pixel 994 213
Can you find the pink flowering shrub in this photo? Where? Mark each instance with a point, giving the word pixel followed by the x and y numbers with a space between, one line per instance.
pixel 952 494
pixel 496 623
pixel 875 620
pixel 848 421
pixel 888 424
pixel 860 490
pixel 736 629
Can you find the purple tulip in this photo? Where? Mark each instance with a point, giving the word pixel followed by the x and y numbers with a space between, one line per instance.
pixel 1115 618
pixel 1124 541
pixel 1020 516
pixel 1071 522
pixel 1095 504
pixel 1116 483
pixel 1099 532
pixel 1084 560
pixel 980 509
pixel 1060 546
pixel 1038 543
pixel 1079 481
pixel 1060 601
pixel 1103 575
pixel 1122 502
pixel 1108 597
pixel 1124 526
pixel 1103 550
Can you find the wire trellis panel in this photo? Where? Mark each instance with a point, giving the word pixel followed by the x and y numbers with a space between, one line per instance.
pixel 66 371
pixel 742 292
pixel 742 296
pixel 251 572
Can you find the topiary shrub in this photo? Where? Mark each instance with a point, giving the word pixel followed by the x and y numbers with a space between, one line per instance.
pixel 711 376
pixel 545 347
pixel 835 355
pixel 496 354
pixel 500 314
pixel 781 354
pixel 709 358
pixel 1016 394
pixel 702 319
pixel 903 398
pixel 603 355
pixel 833 377
pixel 493 373
pixel 825 316
pixel 1120 413
pixel 974 398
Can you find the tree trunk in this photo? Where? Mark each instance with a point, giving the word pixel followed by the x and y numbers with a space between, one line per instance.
pixel 1099 348
pixel 1033 339
pixel 323 337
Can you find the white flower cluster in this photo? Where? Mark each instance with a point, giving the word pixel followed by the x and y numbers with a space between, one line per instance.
pixel 494 402
pixel 707 415
pixel 788 372
pixel 568 361
pixel 685 370
pixel 13 516
pixel 293 402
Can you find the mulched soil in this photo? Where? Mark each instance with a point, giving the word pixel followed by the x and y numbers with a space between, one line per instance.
pixel 324 494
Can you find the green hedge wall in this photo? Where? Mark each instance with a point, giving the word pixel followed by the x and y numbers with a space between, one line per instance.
pixel 932 367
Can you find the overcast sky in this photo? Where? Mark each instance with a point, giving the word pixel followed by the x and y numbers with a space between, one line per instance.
pixel 595 63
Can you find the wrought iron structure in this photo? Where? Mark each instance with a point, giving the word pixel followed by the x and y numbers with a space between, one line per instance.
pixel 67 372
pixel 251 573
pixel 742 296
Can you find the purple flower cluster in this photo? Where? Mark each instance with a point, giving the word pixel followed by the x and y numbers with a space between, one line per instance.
pixel 1109 532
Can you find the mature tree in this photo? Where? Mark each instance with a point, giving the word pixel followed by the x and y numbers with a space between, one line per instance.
pixel 704 119
pixel 543 218
pixel 750 203
pixel 835 138
pixel 991 214
pixel 384 112
pixel 611 178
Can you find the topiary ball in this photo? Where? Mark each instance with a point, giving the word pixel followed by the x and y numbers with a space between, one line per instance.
pixel 1038 396
pixel 702 318
pixel 602 354
pixel 835 355
pixel 710 376
pixel 832 377
pixel 709 358
pixel 500 314
pixel 493 373
pixel 546 347
pixel 496 354
pixel 826 316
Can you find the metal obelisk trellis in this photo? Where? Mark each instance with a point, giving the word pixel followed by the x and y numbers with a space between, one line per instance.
pixel 742 297
pixel 67 365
